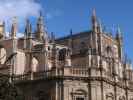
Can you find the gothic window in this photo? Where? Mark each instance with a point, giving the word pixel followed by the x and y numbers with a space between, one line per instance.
pixel 79 95
pixel 80 98
pixel 2 55
pixel 83 48
pixel 109 51
pixel 62 54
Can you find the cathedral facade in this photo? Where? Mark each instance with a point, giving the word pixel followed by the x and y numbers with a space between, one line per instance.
pixel 88 65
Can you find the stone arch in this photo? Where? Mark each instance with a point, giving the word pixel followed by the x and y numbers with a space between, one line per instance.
pixel 122 98
pixel 3 54
pixel 81 91
pixel 34 64
pixel 79 94
pixel 109 96
pixel 109 51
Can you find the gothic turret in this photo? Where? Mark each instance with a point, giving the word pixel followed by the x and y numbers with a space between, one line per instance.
pixel 99 27
pixel 28 29
pixel 14 45
pixel 94 31
pixel 100 36
pixel 119 41
pixel 14 28
pixel 28 35
pixel 94 21
pixel 41 34
pixel 54 53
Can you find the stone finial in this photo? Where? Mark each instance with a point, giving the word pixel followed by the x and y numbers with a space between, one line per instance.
pixel 40 25
pixel 14 27
pixel 41 34
pixel 100 28
pixel 52 37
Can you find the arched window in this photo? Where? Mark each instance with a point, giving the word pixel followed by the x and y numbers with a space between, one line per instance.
pixel 62 54
pixel 109 51
pixel 34 64
pixel 79 95
pixel 2 55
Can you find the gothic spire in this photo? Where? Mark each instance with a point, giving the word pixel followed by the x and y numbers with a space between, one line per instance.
pixel 119 30
pixel 28 28
pixel 119 33
pixel 71 32
pixel 70 41
pixel 40 28
pixel 94 14
pixel 52 37
pixel 120 42
pixel 14 28
pixel 100 29
pixel 94 21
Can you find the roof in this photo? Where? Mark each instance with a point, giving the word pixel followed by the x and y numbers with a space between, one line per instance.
pixel 75 35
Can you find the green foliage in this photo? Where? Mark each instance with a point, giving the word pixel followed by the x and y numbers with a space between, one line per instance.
pixel 8 91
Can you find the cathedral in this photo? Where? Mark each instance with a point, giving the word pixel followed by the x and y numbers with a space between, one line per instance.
pixel 88 65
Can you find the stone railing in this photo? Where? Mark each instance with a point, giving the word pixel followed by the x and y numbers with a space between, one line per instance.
pixel 67 71
pixel 35 75
pixel 76 71
pixel 81 72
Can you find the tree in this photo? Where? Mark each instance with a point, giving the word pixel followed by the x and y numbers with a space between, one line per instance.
pixel 8 91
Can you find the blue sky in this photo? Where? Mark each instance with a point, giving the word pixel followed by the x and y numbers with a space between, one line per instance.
pixel 62 15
